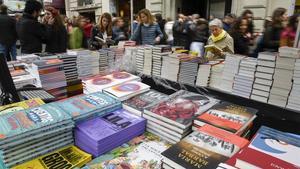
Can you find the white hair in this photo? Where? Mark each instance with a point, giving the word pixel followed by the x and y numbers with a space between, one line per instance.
pixel 216 22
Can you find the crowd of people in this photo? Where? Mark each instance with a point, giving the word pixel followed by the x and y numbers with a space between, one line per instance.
pixel 232 34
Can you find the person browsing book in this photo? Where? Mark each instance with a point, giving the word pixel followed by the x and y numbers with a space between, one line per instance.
pixel 220 42
pixel 147 32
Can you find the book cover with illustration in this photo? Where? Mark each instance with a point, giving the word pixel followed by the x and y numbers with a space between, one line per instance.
pixel 180 108
pixel 67 157
pixel 203 149
pixel 138 103
pixel 84 105
pixel 21 105
pixel 139 153
pixel 228 116
pixel 271 148
pixel 20 122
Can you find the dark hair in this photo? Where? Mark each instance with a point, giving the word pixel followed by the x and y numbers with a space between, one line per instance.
pixel 237 24
pixel 276 17
pixel 158 17
pixel 3 9
pixel 31 6
pixel 247 11
pixel 292 21
pixel 230 15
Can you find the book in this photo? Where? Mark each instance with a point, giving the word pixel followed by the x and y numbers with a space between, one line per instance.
pixel 228 116
pixel 213 48
pixel 21 105
pixel 180 108
pixel 204 148
pixel 67 157
pixel 137 103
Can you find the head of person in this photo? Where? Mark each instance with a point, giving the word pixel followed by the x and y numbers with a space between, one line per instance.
pixel 33 8
pixel 240 25
pixel 211 17
pixel 105 23
pixel 81 21
pixel 248 14
pixel 229 19
pixel 51 12
pixel 146 17
pixel 279 16
pixel 119 22
pixel 195 17
pixel 3 9
pixel 293 21
pixel 216 27
pixel 158 17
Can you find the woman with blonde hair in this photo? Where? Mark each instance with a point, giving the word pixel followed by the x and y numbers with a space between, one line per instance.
pixel 147 32
pixel 102 33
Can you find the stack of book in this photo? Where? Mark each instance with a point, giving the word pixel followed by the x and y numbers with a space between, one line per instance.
pixel 26 104
pixel 137 104
pixel 74 87
pixel 117 64
pixel 29 59
pixel 269 148
pixel 86 106
pixel 67 157
pixel 98 83
pixel 139 59
pixel 70 66
pixel 158 52
pixel 141 152
pixel 171 62
pixel 283 77
pixel 110 59
pixel 216 75
pixel 264 76
pixel 243 81
pixel 204 72
pixel 188 71
pixel 129 59
pixel 231 68
pixel 148 61
pixel 228 116
pixel 87 64
pixel 172 118
pixel 23 80
pixel 102 134
pixel 103 62
pixel 294 98
pixel 124 44
pixel 126 90
pixel 203 149
pixel 33 132
pixel 52 77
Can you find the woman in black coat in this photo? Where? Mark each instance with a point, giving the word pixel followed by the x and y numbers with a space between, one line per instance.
pixel 239 32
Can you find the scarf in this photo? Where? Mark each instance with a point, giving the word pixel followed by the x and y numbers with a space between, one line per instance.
pixel 219 37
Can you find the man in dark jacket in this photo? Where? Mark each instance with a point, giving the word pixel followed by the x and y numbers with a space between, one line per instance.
pixel 8 34
pixel 31 33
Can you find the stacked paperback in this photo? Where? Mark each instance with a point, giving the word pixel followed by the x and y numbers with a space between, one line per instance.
pixel 203 149
pixel 204 72
pixel 139 59
pixel 148 61
pixel 188 71
pixel 103 62
pixel 67 157
pixel 136 104
pixel 33 132
pixel 170 62
pixel 243 81
pixel 159 52
pixel 283 77
pixel 70 66
pixel 294 98
pixel 231 68
pixel 172 118
pixel 126 90
pixel 264 76
pixel 129 59
pixel 102 134
pixel 87 63
pixel 216 75
pixel 86 106
pixel 26 104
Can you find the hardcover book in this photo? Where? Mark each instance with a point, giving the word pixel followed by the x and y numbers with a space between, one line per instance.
pixel 21 105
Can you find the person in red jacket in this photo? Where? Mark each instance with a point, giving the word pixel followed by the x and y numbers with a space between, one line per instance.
pixel 87 29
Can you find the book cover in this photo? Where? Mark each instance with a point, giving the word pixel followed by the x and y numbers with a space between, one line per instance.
pixel 228 116
pixel 181 107
pixel 67 157
pixel 139 153
pixel 21 105
pixel 145 99
pixel 203 149
pixel 16 123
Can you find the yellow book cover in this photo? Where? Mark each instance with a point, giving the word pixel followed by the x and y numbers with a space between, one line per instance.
pixel 21 105
pixel 65 158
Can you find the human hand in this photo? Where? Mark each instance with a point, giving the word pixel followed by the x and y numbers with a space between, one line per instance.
pixel 157 39
pixel 50 21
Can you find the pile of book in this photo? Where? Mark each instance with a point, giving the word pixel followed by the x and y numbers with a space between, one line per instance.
pixel 20 74
pixel 228 116
pixel 141 152
pixel 128 43
pixel 148 61
pixel 203 75
pixel 283 77
pixel 52 77
pixel 129 59
pixel 27 134
pixel 126 90
pixel 172 118
pixel 294 98
pixel 98 83
pixel 87 63
pixel 74 87
pixel 29 59
pixel 231 68
pixel 70 66
pixel 137 104
pixel 159 52
pixel 243 81
pixel 188 71
pixel 67 157
pixel 216 75
pixel 102 134
pixel 170 62
pixel 204 148
pixel 139 60
pixel 264 76
pixel 269 148
pixel 86 106
pixel 115 59
pixel 26 104
pixel 103 62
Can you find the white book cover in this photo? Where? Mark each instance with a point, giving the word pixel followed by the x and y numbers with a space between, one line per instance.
pixel 279 91
pixel 264 75
pixel 270 56
pixel 263 81
pixel 265 69
pixel 261 87
pixel 259 98
pixel 260 93
pixel 266 63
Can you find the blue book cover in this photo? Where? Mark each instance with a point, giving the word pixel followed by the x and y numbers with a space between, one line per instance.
pixel 17 123
pixel 82 105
